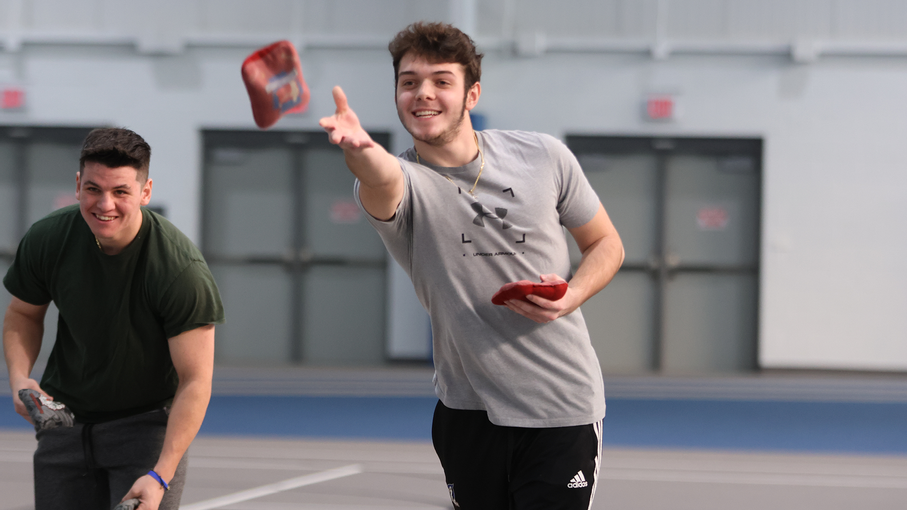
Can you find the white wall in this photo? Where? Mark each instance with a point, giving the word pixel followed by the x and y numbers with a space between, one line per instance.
pixel 834 285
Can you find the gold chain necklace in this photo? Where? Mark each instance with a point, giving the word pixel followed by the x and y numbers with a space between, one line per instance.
pixel 481 167
pixel 98 243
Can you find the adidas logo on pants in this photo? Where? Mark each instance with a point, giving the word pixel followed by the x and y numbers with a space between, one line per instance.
pixel 578 481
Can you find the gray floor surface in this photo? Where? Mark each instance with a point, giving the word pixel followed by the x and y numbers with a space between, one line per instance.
pixel 272 474
pixel 308 474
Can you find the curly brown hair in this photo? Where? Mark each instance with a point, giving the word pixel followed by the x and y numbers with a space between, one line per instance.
pixel 437 42
pixel 116 147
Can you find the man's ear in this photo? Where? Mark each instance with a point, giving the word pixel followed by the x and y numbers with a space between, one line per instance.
pixel 472 95
pixel 146 192
pixel 78 184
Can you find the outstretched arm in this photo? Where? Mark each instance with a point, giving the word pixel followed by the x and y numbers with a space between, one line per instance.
pixel 23 330
pixel 192 353
pixel 379 173
pixel 603 253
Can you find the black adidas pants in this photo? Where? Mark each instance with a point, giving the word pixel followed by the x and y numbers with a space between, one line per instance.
pixel 509 468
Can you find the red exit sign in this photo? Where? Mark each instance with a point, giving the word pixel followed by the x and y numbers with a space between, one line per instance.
pixel 12 98
pixel 661 107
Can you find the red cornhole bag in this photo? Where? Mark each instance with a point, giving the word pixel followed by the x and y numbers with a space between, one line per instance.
pixel 519 290
pixel 273 78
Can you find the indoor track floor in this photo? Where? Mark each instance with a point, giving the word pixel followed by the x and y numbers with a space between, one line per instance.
pixel 674 444
pixel 283 474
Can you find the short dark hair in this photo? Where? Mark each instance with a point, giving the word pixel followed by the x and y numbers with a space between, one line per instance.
pixel 116 147
pixel 437 42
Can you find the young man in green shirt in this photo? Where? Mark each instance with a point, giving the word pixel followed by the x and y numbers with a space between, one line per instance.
pixel 134 353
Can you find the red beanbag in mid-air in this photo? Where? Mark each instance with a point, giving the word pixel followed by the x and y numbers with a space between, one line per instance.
pixel 273 78
pixel 519 290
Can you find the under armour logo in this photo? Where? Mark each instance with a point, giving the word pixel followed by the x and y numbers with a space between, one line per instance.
pixel 499 213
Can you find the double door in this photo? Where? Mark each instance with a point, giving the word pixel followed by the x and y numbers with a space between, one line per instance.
pixel 301 271
pixel 688 212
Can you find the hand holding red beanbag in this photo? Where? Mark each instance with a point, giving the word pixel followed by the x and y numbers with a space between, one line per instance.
pixel 519 290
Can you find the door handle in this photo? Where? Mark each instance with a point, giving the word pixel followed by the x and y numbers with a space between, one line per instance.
pixel 653 263
pixel 670 263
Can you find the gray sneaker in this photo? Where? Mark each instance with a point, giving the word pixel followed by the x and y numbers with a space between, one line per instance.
pixel 46 414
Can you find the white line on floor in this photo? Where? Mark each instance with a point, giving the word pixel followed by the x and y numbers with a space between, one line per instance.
pixel 273 488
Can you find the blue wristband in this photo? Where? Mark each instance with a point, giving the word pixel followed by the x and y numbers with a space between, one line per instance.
pixel 160 480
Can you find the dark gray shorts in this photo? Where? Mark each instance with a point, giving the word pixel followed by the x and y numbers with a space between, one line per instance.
pixel 489 467
pixel 91 467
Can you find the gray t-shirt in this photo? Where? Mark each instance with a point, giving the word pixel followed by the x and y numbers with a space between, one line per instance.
pixel 459 250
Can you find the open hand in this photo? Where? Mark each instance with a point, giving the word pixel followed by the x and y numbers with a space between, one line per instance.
pixel 343 127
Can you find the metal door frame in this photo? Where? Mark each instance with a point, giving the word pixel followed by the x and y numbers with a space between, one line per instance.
pixel 660 266
pixel 300 259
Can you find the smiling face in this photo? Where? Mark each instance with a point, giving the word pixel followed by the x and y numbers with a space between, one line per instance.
pixel 110 200
pixel 432 99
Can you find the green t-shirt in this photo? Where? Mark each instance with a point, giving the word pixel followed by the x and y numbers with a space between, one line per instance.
pixel 111 358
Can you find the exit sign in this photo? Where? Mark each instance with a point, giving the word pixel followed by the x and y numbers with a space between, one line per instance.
pixel 12 98
pixel 661 107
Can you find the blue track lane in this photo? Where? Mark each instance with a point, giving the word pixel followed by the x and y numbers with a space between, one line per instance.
pixel 821 427
pixel 758 425
pixel 398 418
